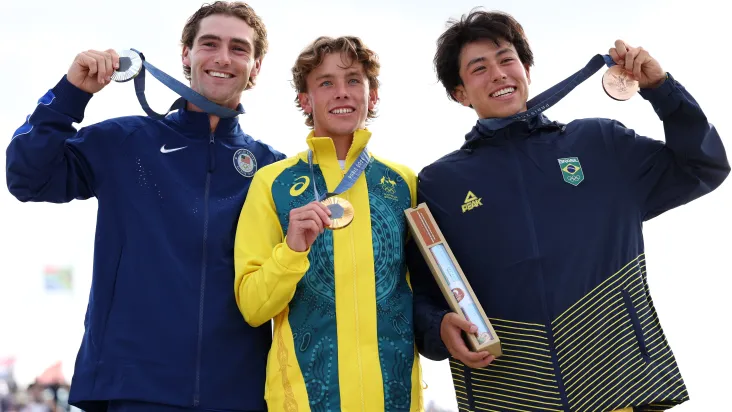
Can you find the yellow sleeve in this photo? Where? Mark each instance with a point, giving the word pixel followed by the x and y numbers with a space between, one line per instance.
pixel 267 271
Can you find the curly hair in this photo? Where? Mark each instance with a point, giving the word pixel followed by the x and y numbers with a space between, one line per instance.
pixel 348 46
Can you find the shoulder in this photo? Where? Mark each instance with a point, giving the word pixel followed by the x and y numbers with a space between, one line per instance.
pixel 404 171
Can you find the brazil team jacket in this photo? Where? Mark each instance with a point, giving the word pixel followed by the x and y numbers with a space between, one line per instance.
pixel 546 221
pixel 161 324
pixel 342 310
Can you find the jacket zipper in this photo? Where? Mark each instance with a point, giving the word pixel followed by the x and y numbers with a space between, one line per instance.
pixel 355 304
pixel 550 334
pixel 211 167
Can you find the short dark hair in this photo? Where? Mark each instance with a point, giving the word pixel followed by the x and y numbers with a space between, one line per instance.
pixel 477 25
pixel 235 9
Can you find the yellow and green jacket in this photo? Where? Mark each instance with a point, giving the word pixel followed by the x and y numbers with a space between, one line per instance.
pixel 343 332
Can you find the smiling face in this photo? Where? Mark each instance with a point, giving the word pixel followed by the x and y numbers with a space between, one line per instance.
pixel 222 59
pixel 338 96
pixel 494 82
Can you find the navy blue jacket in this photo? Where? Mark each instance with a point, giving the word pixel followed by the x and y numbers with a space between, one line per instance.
pixel 162 324
pixel 551 242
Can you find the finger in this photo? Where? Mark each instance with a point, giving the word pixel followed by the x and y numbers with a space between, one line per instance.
pixel 311 215
pixel 101 65
pixel 323 212
pixel 85 60
pixel 311 226
pixel 630 59
pixel 481 363
pixel 115 58
pixel 640 60
pixel 455 320
pixel 622 48
pixel 106 58
pixel 614 55
pixel 109 65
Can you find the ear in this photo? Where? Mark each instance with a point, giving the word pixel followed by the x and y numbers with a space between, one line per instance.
pixel 305 103
pixel 373 98
pixel 185 58
pixel 461 96
pixel 528 74
pixel 255 70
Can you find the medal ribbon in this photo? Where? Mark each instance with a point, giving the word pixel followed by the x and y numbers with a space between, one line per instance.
pixel 551 96
pixel 186 93
pixel 348 180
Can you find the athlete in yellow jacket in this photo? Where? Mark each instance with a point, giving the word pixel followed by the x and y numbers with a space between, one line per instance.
pixel 340 299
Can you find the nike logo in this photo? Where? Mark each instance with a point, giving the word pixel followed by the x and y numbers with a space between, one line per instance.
pixel 164 150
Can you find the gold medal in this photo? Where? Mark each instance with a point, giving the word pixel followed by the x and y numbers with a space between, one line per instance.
pixel 341 212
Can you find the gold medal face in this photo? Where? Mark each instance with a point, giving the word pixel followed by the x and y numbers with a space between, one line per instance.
pixel 341 212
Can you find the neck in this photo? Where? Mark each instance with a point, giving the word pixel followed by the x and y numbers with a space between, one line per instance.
pixel 213 119
pixel 342 145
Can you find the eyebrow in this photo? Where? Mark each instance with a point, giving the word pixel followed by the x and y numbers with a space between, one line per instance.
pixel 482 58
pixel 330 76
pixel 205 37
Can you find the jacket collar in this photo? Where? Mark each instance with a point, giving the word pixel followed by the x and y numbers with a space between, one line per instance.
pixel 518 129
pixel 324 152
pixel 197 124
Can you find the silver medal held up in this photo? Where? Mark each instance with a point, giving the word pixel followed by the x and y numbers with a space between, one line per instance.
pixel 130 65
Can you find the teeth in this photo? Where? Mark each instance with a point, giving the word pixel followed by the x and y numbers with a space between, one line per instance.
pixel 342 111
pixel 504 91
pixel 219 74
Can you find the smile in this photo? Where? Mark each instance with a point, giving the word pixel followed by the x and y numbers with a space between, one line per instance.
pixel 220 74
pixel 342 110
pixel 504 92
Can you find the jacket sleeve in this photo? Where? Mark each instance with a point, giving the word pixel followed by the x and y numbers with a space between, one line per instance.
pixel 691 163
pixel 47 160
pixel 429 305
pixel 267 271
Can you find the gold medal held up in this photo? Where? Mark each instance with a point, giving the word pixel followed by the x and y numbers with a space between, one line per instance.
pixel 341 212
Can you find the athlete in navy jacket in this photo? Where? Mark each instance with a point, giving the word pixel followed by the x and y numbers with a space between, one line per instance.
pixel 546 220
pixel 162 329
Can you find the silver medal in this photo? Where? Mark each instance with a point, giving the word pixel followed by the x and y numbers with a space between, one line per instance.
pixel 130 65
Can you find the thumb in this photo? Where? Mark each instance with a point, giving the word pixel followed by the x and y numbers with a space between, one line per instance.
pixel 458 321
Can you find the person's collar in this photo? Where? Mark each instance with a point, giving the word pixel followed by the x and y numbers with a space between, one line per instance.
pixel 324 151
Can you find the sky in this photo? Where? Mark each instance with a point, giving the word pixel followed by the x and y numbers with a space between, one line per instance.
pixel 687 249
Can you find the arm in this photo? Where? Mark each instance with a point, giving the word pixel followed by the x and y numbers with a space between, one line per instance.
pixel 47 159
pixel 267 269
pixel 690 164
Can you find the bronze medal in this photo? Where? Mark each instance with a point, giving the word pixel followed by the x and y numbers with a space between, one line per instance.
pixel 619 84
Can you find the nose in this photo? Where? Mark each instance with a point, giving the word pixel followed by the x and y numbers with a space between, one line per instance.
pixel 222 57
pixel 341 91
pixel 498 74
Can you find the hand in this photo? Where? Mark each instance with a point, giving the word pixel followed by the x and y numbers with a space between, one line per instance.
pixel 450 331
pixel 92 70
pixel 306 223
pixel 636 60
